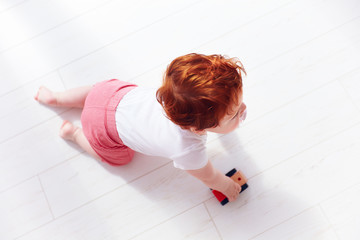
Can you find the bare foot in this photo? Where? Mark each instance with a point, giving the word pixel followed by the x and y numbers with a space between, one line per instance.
pixel 46 96
pixel 68 130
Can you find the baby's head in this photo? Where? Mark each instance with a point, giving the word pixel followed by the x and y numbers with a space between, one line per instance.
pixel 203 92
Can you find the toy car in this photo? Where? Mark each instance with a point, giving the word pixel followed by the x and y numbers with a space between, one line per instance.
pixel 236 176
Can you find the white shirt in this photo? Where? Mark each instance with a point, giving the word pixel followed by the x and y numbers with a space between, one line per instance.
pixel 143 126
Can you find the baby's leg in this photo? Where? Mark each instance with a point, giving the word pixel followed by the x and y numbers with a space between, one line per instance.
pixel 70 98
pixel 75 134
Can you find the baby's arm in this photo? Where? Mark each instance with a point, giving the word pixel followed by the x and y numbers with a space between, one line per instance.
pixel 214 179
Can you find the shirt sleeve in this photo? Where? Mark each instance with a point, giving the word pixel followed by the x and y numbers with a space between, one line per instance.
pixel 192 159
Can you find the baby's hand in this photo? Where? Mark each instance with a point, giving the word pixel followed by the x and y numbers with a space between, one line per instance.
pixel 232 191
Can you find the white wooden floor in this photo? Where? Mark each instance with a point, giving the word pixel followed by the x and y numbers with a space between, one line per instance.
pixel 300 146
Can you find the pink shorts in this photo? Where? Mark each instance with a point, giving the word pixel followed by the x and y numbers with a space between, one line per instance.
pixel 98 121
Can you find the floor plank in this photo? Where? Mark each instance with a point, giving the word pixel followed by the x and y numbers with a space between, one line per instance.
pixel 83 179
pixel 195 224
pixel 23 208
pixel 33 152
pixel 352 86
pixel 285 132
pixel 286 29
pixel 23 106
pixel 299 228
pixel 70 41
pixel 343 212
pixel 29 19
pixel 291 187
pixel 131 209
pixel 131 56
pixel 8 4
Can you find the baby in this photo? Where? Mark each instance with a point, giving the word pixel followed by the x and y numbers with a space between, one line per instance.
pixel 199 94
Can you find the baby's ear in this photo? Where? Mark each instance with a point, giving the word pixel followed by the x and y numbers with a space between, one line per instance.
pixel 202 132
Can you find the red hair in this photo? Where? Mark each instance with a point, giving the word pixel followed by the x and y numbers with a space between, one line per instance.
pixel 199 90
